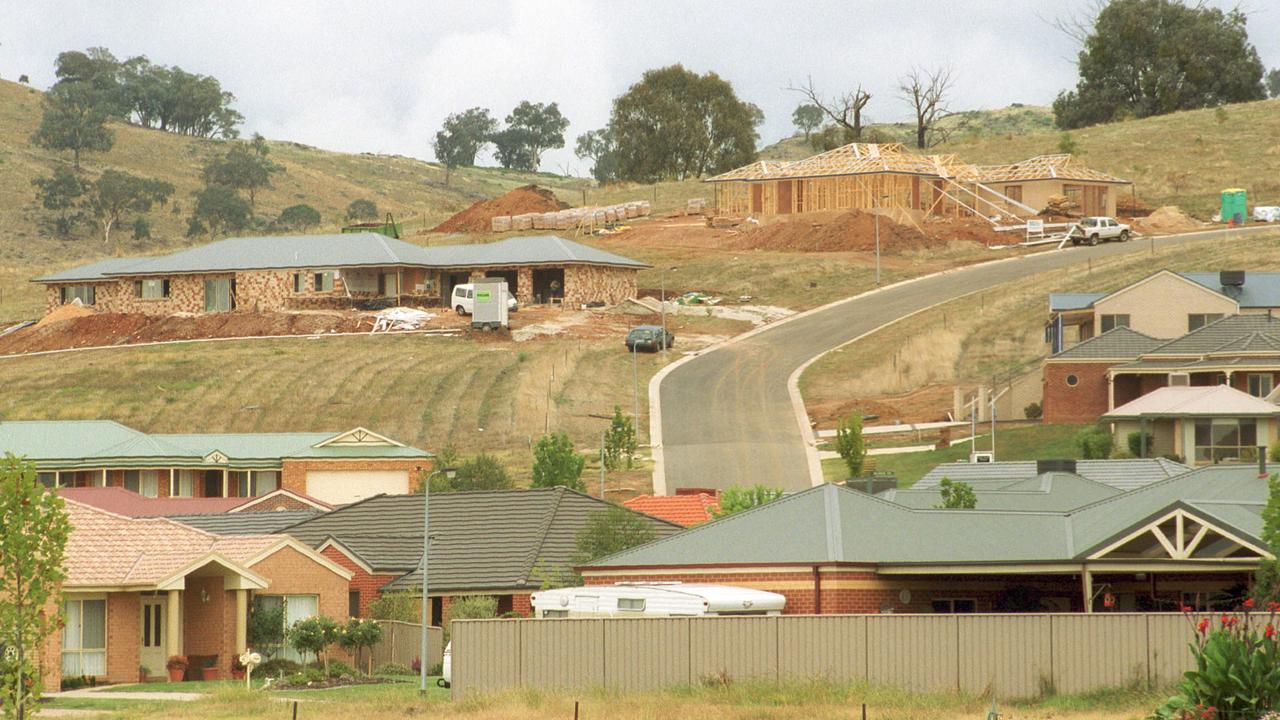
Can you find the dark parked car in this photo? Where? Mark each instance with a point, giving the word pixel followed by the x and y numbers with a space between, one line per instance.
pixel 648 337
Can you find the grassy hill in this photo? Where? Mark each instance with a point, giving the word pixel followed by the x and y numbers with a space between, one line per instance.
pixel 413 190
pixel 1017 119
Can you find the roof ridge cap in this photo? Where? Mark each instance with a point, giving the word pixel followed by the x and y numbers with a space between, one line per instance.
pixel 535 550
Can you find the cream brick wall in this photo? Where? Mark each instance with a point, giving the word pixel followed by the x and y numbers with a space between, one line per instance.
pixel 591 283
pixel 1159 306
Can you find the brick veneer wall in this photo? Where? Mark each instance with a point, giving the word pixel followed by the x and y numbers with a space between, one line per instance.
pixel 293 474
pixel 1084 402
pixel 208 627
pixel 123 637
pixel 289 572
pixel 267 290
pixel 368 585
pixel 280 502
pixel 592 283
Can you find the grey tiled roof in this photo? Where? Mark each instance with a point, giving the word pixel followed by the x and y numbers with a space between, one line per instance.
pixel 1009 474
pixel 246 523
pixel 1119 342
pixel 481 540
pixel 1222 335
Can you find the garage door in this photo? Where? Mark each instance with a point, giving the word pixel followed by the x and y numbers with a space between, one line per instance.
pixel 347 486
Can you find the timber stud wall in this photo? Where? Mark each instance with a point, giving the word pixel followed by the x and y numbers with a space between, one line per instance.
pixel 1012 656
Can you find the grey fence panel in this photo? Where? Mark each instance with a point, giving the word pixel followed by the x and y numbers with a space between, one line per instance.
pixel 1008 656
pixel 562 653
pixel 1011 656
pixel 646 653
pixel 401 644
pixel 1098 651
pixel 832 647
pixel 738 648
pixel 914 652
pixel 485 656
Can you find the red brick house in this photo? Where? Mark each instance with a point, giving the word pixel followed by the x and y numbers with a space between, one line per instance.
pixel 139 590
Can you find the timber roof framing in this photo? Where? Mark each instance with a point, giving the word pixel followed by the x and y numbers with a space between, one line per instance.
pixel 1045 167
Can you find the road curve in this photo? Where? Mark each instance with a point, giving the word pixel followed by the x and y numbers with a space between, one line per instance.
pixel 726 416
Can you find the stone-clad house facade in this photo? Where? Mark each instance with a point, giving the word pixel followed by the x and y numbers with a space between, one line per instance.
pixel 272 274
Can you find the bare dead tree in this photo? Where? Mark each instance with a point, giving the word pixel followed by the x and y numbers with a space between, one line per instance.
pixel 844 110
pixel 927 91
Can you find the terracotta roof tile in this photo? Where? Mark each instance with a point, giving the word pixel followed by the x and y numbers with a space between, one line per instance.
pixel 685 510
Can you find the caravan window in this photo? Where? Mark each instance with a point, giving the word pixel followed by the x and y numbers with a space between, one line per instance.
pixel 632 604
pixel 555 613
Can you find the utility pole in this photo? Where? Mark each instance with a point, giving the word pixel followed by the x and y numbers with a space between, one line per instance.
pixel 635 387
pixel 877 241
pixel 601 464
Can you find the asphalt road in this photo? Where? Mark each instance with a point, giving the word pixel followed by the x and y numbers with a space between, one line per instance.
pixel 727 417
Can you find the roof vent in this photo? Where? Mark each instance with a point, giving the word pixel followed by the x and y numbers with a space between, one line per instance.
pixel 1058 465
pixel 1231 278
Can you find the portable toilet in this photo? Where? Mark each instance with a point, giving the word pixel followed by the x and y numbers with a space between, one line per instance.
pixel 1234 209
pixel 491 304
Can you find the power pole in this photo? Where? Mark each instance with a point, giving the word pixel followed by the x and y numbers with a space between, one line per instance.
pixel 601 464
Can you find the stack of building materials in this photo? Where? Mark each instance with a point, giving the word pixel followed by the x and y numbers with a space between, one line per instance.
pixel 583 217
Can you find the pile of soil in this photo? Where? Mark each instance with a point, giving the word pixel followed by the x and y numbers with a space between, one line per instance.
pixel 479 217
pixel 1132 206
pixel 856 231
pixel 1166 220
pixel 971 229
pixel 64 313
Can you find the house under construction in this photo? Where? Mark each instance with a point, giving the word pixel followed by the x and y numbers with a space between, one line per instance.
pixel 886 176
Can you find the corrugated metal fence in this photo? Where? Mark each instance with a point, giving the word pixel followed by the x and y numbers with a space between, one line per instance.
pixel 401 643
pixel 1013 656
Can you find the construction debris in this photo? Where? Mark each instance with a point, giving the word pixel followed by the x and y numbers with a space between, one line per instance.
pixel 522 202
pixel 590 219
pixel 400 318
pixel 697 298
pixel 1060 206
pixel 63 313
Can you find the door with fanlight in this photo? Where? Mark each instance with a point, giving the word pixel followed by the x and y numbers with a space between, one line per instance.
pixel 152 628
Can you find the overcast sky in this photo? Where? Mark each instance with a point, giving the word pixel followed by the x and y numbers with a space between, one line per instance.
pixel 381 76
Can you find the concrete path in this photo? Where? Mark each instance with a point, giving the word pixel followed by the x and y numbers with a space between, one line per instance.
pixel 733 415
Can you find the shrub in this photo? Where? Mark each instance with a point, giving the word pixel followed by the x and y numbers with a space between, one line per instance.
pixel 1136 442
pixel 392 668
pixel 850 445
pixel 471 607
pixel 1095 443
pixel 402 606
pixel 278 668
pixel 304 677
pixel 1033 411
pixel 1274 453
pixel 337 668
pixel 141 228
pixel 1237 669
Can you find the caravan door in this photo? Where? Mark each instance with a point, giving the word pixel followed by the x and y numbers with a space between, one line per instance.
pixel 586 604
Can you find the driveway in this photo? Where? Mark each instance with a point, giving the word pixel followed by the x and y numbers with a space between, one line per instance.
pixel 726 417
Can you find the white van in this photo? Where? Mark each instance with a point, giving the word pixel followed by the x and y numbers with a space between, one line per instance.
pixel 463 300
pixel 659 599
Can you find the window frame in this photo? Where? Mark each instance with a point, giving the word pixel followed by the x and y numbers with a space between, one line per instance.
pixel 151 288
pixel 1195 321
pixel 1114 318
pixel 1215 453
pixel 324 280
pixel 1270 384
pixel 81 650
pixel 86 292
pixel 642 601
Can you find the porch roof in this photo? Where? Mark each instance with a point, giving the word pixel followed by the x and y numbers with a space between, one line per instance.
pixel 1195 401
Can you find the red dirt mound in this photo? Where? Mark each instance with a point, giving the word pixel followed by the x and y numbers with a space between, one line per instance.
pixel 479 217
pixel 856 231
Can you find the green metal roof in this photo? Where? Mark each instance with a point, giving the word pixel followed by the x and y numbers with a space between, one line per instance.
pixel 1009 474
pixel 831 523
pixel 345 250
pixel 1055 491
pixel 99 443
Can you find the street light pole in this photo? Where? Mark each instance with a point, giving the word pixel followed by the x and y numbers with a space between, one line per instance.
pixel 663 290
pixel 426 600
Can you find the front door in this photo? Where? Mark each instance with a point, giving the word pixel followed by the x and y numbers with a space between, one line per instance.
pixel 152 627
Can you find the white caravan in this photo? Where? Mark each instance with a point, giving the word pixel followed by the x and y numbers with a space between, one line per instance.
pixel 659 599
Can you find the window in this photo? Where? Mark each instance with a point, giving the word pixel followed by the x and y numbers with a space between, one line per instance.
pixel 631 604
pixel 84 478
pixel 47 479
pixel 84 638
pixel 1226 439
pixel 212 483
pixel 1072 381
pixel 299 282
pixel 143 482
pixel 1073 193
pixel 1261 384
pixel 84 293
pixel 184 484
pixel 1111 322
pixel 1013 192
pixel 154 289
pixel 952 606
pixel 324 281
pixel 1195 321
pixel 296 607
pixel 252 483
pixel 353 604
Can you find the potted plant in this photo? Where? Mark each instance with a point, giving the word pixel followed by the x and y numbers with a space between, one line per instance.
pixel 210 669
pixel 177 667
pixel 144 672
pixel 237 669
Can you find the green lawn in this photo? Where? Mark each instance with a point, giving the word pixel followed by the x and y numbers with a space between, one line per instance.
pixel 1028 442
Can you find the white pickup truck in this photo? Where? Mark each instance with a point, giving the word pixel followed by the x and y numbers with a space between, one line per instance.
pixel 1093 230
